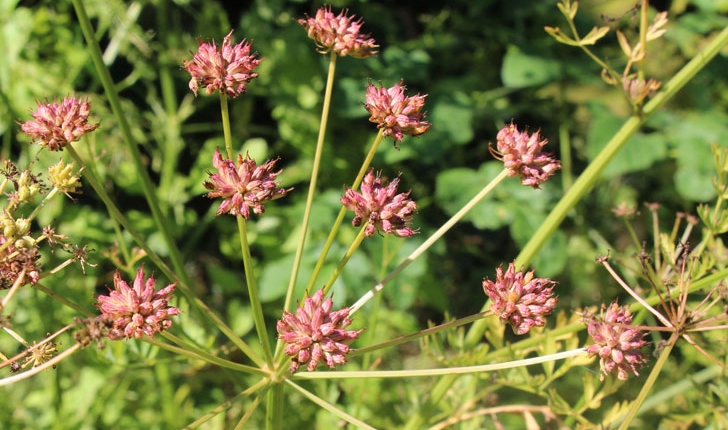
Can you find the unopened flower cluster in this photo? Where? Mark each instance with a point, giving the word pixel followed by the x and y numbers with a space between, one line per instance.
pixel 55 125
pixel 226 69
pixel 380 207
pixel 243 185
pixel 394 112
pixel 338 34
pixel 315 334
pixel 522 155
pixel 137 310
pixel 617 344
pixel 519 299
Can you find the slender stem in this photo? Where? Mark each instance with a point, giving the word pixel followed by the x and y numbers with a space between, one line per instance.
pixel 193 352
pixel 430 241
pixel 426 332
pixel 274 410
pixel 314 179
pixel 345 259
pixel 448 371
pixel 255 303
pixel 35 370
pixel 342 212
pixel 328 406
pixel 260 385
pixel 160 219
pixel 650 382
pixel 227 134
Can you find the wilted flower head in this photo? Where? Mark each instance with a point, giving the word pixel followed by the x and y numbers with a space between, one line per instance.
pixel 315 334
pixel 520 299
pixel 396 114
pixel 14 259
pixel 226 69
pixel 339 34
pixel 243 185
pixel 55 125
pixel 638 89
pixel 137 310
pixel 521 155
pixel 381 207
pixel 617 344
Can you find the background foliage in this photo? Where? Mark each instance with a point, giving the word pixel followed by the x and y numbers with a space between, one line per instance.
pixel 482 65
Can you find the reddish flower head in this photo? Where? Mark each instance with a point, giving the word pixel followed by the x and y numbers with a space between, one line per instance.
pixel 520 299
pixel 315 334
pixel 521 155
pixel 137 310
pixel 339 34
pixel 396 114
pixel 617 344
pixel 243 185
pixel 381 207
pixel 226 69
pixel 55 125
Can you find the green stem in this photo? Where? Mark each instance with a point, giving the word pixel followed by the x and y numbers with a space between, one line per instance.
pixel 345 259
pixel 314 179
pixel 255 303
pixel 160 219
pixel 194 353
pixel 326 405
pixel 237 400
pixel 650 382
pixel 342 212
pixel 426 332
pixel 447 371
pixel 274 410
pixel 587 179
pixel 431 240
pixel 198 304
pixel 227 133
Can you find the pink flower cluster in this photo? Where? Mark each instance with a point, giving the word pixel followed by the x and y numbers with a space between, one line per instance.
pixel 519 299
pixel 55 125
pixel 338 34
pixel 394 112
pixel 137 310
pixel 381 207
pixel 226 69
pixel 616 342
pixel 315 334
pixel 521 155
pixel 243 185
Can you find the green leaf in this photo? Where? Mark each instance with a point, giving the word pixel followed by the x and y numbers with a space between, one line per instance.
pixel 455 120
pixel 522 70
pixel 641 152
pixel 595 34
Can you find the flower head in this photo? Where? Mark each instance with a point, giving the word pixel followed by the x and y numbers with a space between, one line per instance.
pixel 521 155
pixel 617 344
pixel 339 34
pixel 226 69
pixel 381 207
pixel 396 114
pixel 243 185
pixel 16 257
pixel 314 334
pixel 520 299
pixel 137 310
pixel 55 125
